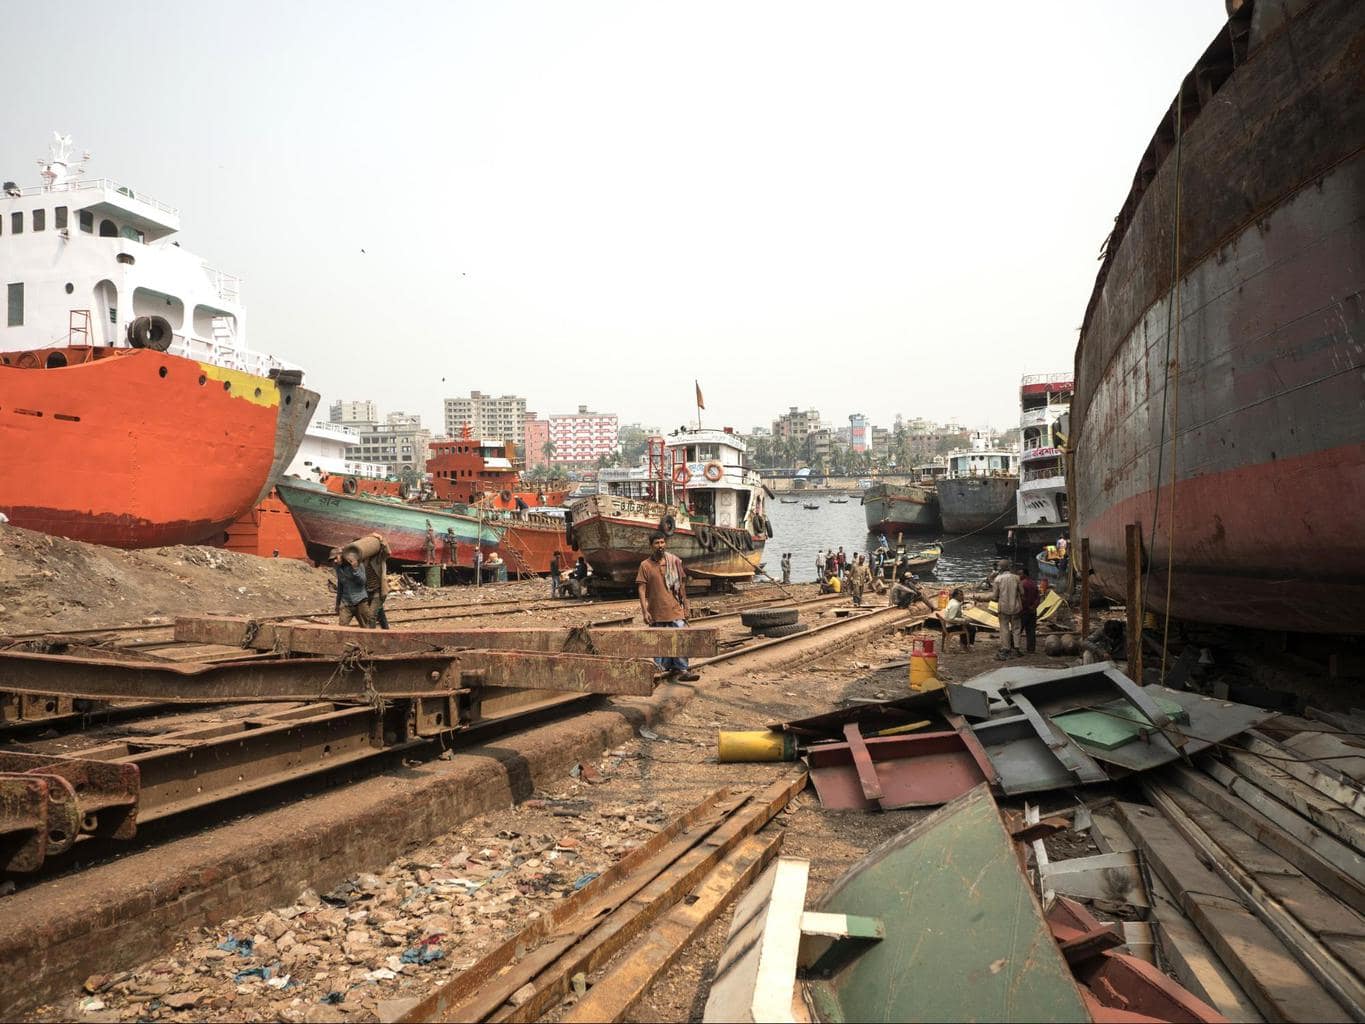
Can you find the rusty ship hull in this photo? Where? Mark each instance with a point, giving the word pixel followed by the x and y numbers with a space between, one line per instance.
pixel 136 448
pixel 1241 434
pixel 613 534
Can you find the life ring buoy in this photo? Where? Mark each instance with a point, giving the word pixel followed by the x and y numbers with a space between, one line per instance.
pixel 349 485
pixel 681 476
pixel 713 471
pixel 668 524
pixel 506 496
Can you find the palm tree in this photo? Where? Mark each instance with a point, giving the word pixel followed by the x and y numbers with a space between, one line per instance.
pixel 548 449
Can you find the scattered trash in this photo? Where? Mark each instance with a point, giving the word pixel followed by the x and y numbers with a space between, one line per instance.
pixel 584 880
pixel 242 947
pixel 648 734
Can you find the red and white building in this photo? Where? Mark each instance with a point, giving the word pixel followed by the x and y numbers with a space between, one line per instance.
pixel 582 437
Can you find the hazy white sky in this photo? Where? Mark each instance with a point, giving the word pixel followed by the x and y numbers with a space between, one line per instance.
pixel 877 207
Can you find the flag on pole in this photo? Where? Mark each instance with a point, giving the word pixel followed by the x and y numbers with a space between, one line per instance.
pixel 700 403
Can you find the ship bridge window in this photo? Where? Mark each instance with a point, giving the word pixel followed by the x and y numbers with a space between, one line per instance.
pixel 108 229
pixel 216 324
pixel 16 223
pixel 59 218
pixel 87 222
pixel 147 302
pixel 132 234
pixel 39 220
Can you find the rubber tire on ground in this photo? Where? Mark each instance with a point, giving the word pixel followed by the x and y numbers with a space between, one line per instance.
pixel 762 618
pixel 790 629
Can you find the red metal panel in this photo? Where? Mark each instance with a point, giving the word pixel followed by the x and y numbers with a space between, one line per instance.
pixel 911 771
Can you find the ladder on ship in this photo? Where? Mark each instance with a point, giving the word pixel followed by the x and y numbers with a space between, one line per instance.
pixel 516 554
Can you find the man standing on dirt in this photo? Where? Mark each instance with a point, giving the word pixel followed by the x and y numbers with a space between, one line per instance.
pixel 554 575
pixel 786 567
pixel 1005 590
pixel 662 586
pixel 857 580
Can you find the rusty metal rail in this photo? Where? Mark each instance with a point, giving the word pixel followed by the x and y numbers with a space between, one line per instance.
pixel 362 678
pixel 307 638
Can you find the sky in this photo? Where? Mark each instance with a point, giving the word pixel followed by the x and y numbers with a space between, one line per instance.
pixel 858 207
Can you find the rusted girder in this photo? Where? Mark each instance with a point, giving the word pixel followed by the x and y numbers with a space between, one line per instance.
pixel 350 678
pixel 310 638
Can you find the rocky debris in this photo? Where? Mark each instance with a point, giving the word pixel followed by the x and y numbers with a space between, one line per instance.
pixel 356 951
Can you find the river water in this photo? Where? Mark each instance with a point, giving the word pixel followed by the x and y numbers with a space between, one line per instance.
pixel 804 532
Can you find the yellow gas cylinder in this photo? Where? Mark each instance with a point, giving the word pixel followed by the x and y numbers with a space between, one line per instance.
pixel 924 662
pixel 942 600
pixel 758 745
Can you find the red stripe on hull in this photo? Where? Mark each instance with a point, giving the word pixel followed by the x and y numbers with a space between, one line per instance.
pixel 1235 563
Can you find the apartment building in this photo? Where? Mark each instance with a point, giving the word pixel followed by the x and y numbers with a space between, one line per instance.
pixel 495 418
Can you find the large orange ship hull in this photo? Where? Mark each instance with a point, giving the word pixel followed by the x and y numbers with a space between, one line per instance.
pixel 132 448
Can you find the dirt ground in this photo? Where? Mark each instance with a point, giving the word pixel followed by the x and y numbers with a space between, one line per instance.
pixel 401 931
pixel 50 583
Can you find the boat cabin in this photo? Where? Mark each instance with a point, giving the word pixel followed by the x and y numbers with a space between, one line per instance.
pixel 982 460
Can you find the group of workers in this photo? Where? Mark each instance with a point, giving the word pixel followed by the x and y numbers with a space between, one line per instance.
pixel 576 583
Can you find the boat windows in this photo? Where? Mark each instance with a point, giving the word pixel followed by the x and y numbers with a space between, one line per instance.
pixel 39 220
pixel 147 302
pixel 16 223
pixel 16 304
pixel 108 229
pixel 87 222
pixel 59 218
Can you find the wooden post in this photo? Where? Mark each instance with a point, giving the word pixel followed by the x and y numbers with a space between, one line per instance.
pixel 1085 587
pixel 1133 539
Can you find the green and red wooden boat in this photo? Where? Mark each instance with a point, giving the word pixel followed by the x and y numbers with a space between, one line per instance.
pixel 416 535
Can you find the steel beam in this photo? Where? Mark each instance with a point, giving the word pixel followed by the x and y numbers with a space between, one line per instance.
pixel 310 638
pixel 350 678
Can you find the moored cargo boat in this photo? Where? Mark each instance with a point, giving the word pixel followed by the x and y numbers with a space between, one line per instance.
pixel 977 493
pixel 697 489
pixel 891 509
pixel 416 535
pixel 1234 438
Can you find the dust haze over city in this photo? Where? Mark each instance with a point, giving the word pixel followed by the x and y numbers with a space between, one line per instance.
pixel 871 208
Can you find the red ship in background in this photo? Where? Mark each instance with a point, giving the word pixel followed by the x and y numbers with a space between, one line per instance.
pixel 1219 402
pixel 485 473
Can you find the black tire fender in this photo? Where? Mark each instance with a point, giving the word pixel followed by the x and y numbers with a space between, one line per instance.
pixel 667 525
pixel 349 485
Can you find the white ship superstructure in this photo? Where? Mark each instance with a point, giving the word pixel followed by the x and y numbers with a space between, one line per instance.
pixel 323 454
pixel 1045 401
pixel 89 261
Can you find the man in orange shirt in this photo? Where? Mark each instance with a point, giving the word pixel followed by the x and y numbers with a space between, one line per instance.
pixel 662 586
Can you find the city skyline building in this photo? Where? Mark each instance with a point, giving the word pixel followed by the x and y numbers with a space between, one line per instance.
pixel 488 417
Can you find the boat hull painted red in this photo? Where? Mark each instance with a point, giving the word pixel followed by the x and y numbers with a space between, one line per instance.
pixel 1262 526
pixel 134 448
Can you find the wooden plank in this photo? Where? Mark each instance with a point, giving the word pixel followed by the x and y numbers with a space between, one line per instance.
pixel 1279 986
pixel 1324 778
pixel 1238 859
pixel 1108 834
pixel 1295 838
pixel 605 924
pixel 621 989
pixel 1085 587
pixel 1346 759
pixel 1132 534
pixel 640 860
pixel 1193 961
pixel 1107 876
pixel 313 638
pixel 1327 814
pixel 862 762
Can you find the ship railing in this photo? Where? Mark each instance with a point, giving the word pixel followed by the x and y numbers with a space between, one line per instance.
pixel 1045 473
pixel 228 286
pixel 1061 377
pixel 101 185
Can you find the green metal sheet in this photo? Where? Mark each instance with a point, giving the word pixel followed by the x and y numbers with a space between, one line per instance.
pixel 965 937
pixel 1114 723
